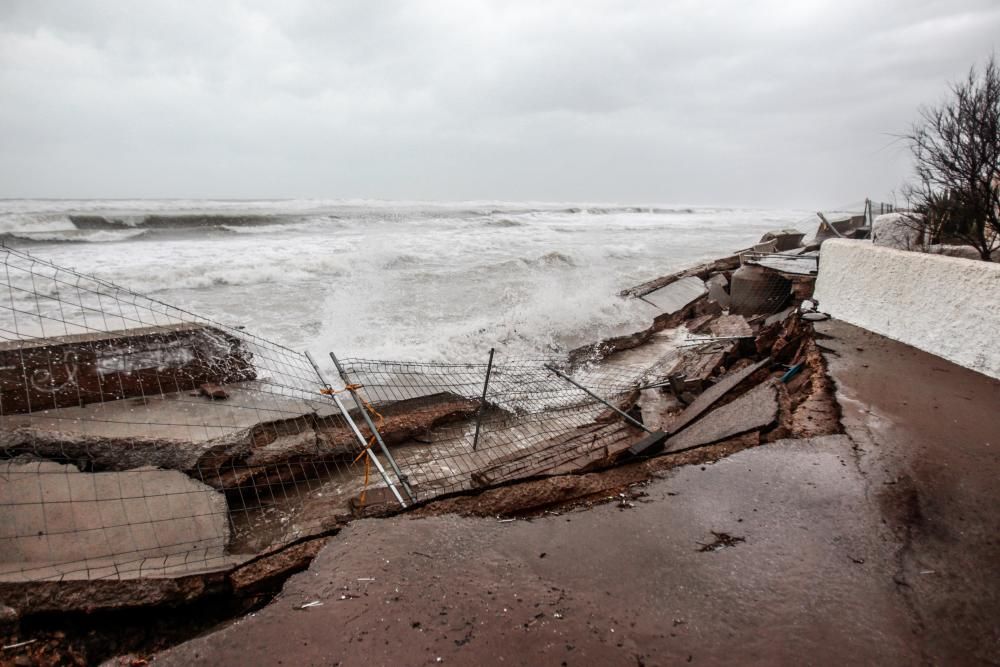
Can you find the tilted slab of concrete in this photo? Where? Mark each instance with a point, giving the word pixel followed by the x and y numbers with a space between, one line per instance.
pixel 753 410
pixel 59 523
pixel 177 431
pixel 676 295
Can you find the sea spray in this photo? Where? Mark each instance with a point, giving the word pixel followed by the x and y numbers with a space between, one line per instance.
pixel 435 281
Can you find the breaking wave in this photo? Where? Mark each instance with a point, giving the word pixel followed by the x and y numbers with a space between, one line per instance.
pixel 405 280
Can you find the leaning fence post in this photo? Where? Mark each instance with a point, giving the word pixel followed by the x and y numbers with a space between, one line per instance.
pixel 371 425
pixel 357 433
pixel 629 418
pixel 482 402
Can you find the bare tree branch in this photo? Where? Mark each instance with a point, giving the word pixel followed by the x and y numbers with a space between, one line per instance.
pixel 956 152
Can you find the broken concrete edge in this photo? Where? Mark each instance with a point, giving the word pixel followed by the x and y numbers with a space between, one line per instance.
pixel 701 307
pixel 90 596
pixel 729 263
pixel 249 455
pixel 100 595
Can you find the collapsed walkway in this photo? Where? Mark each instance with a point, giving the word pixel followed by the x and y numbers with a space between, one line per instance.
pixel 878 546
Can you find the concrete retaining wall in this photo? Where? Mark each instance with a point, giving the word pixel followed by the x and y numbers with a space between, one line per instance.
pixel 944 305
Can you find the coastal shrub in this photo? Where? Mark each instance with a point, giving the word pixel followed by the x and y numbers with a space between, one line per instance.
pixel 956 152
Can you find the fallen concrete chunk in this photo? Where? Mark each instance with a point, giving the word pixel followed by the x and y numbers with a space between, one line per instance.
pixel 756 409
pixel 582 448
pixel 718 289
pixel 651 444
pixel 785 239
pixel 213 391
pixel 731 326
pixel 708 397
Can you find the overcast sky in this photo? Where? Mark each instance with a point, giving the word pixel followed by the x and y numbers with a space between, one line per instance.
pixel 780 102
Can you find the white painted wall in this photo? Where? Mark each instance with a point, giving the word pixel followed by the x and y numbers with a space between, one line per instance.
pixel 944 305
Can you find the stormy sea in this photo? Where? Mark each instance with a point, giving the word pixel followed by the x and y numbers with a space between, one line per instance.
pixel 434 281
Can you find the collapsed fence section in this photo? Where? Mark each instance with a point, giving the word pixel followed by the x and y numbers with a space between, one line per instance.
pixel 457 427
pixel 141 440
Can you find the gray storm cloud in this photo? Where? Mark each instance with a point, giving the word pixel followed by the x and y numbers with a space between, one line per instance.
pixel 763 103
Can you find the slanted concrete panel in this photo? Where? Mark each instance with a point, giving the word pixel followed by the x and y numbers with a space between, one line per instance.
pixel 943 305
pixel 676 295
pixel 753 410
pixel 53 514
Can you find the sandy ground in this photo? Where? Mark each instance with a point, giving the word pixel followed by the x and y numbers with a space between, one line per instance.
pixel 876 547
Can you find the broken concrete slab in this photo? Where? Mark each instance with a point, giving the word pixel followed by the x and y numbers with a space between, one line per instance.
pixel 58 522
pixel 731 326
pixel 700 306
pixel 676 295
pixel 83 595
pixel 754 410
pixel 609 346
pixel 699 364
pixel 708 398
pixel 575 451
pixel 208 440
pixel 89 368
pixel 718 289
pixel 784 239
pixel 804 264
pixel 702 271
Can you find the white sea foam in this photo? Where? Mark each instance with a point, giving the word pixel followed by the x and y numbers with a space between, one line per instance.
pixel 407 280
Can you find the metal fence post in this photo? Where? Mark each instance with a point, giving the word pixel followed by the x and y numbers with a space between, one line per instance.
pixel 360 404
pixel 482 402
pixel 628 417
pixel 357 433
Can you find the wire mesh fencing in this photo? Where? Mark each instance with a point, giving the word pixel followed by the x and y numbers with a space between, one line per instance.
pixel 463 426
pixel 138 439
pixel 141 440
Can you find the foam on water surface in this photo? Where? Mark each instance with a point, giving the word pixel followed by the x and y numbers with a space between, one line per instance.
pixel 400 280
